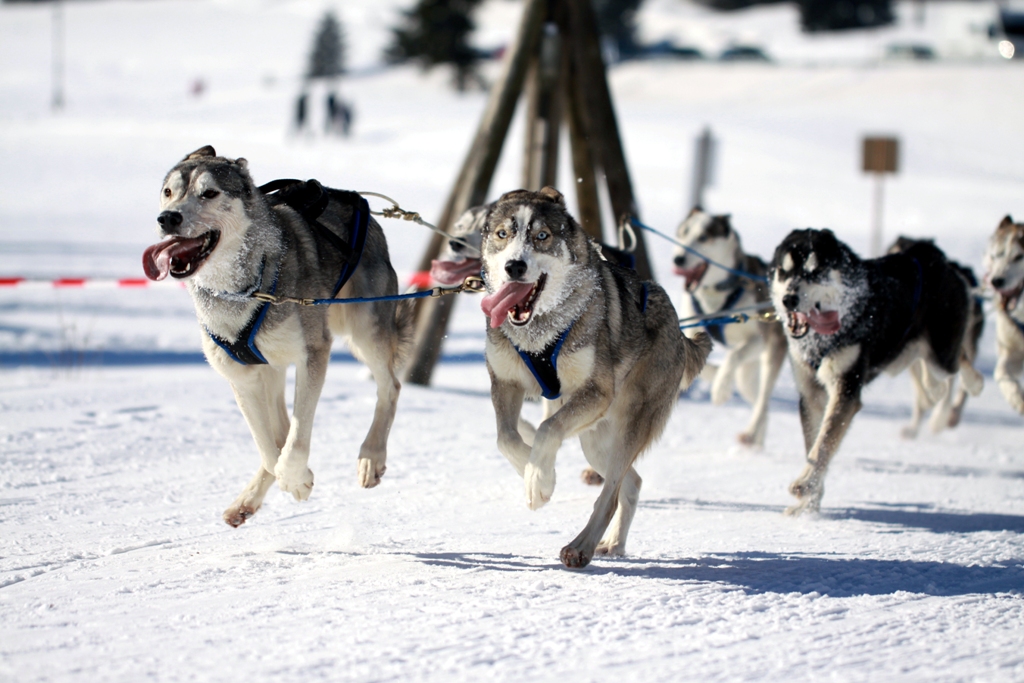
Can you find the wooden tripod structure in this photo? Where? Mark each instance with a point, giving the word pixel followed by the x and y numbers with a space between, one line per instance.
pixel 557 60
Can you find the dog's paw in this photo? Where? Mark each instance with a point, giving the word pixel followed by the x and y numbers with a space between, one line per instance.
pixel 297 481
pixel 611 548
pixel 237 514
pixel 540 484
pixel 808 489
pixel 750 440
pixel 370 472
pixel 574 558
pixel 909 432
pixel 590 477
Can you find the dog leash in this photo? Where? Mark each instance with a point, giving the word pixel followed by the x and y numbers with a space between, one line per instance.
pixel 758 312
pixel 734 271
pixel 395 211
pixel 470 284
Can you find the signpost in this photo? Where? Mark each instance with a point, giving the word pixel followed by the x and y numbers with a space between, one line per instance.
pixel 880 156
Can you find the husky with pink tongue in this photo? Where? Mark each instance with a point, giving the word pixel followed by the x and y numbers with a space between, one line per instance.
pixel 848 320
pixel 229 241
pixel 603 346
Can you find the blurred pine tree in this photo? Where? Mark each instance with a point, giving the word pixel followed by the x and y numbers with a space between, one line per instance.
pixel 327 60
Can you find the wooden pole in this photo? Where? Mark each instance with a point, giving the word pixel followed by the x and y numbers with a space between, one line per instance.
pixel 601 124
pixel 475 179
pixel 544 95
pixel 587 202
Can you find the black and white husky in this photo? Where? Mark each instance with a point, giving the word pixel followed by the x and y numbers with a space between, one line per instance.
pixel 229 241
pixel 1004 268
pixel 848 320
pixel 947 412
pixel 590 336
pixel 755 350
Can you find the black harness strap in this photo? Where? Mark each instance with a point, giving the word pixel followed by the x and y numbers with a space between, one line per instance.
pixel 544 366
pixel 716 330
pixel 310 200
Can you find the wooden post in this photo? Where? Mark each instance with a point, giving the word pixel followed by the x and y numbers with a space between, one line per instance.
pixel 601 125
pixel 475 179
pixel 544 95
pixel 879 156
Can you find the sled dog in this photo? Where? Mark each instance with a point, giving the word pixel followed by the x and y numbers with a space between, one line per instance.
pixel 947 412
pixel 1004 267
pixel 591 337
pixel 755 350
pixel 456 261
pixel 228 240
pixel 848 320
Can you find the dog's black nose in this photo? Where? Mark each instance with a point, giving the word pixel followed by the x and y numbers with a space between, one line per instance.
pixel 791 301
pixel 998 282
pixel 456 246
pixel 169 220
pixel 515 269
pixel 679 260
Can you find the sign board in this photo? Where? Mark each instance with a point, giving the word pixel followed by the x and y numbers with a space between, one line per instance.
pixel 881 155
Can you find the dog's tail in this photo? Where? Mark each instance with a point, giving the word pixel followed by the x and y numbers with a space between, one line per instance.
pixel 695 352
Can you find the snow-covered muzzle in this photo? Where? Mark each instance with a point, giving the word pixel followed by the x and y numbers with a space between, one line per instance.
pixel 823 322
pixel 514 301
pixel 812 305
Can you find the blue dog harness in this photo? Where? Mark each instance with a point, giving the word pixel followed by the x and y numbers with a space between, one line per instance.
pixel 544 365
pixel 716 329
pixel 310 200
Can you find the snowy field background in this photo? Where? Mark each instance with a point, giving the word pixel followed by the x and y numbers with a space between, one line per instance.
pixel 114 563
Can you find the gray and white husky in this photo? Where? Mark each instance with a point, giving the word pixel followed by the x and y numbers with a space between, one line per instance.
pixel 755 350
pixel 1004 268
pixel 848 320
pixel 590 336
pixel 228 241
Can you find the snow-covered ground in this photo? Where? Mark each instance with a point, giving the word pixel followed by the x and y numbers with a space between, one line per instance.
pixel 119 448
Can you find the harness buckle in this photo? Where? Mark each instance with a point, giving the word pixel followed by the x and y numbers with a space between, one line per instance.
pixel 266 298
pixel 475 284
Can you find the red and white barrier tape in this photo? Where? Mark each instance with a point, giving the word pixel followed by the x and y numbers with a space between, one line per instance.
pixel 84 283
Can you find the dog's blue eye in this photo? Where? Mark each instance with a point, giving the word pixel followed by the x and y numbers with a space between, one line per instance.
pixel 542 235
pixel 209 194
pixel 502 233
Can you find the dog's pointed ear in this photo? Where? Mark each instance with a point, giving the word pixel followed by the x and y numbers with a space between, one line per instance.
pixel 553 195
pixel 1007 221
pixel 242 162
pixel 727 222
pixel 694 210
pixel 207 151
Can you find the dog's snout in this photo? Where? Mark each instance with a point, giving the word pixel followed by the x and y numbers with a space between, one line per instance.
pixel 998 282
pixel 515 269
pixel 457 247
pixel 680 260
pixel 791 301
pixel 169 220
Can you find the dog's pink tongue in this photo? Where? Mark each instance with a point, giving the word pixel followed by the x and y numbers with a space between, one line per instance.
pixel 496 306
pixel 156 260
pixel 453 272
pixel 823 322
